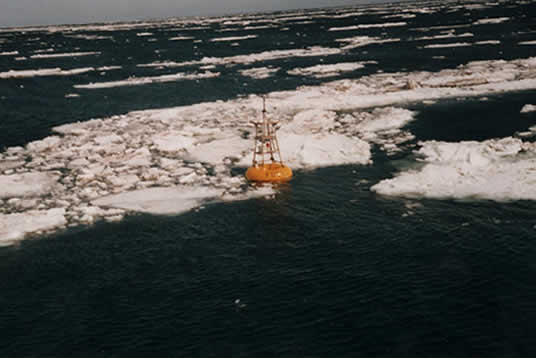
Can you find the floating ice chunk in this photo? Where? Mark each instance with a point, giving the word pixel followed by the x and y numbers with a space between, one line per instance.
pixel 107 139
pixel 45 72
pixel 11 164
pixel 91 37
pixel 527 43
pixel 294 18
pixel 26 184
pixel 528 108
pixel 163 201
pixel 497 169
pixel 261 27
pixel 9 53
pixel 77 128
pixel 496 20
pixel 489 42
pixel 455 44
pixel 14 227
pixel 259 192
pixel 72 95
pixel 320 71
pixel 181 38
pixel 311 151
pixel 259 72
pixel 134 81
pixel 382 126
pixel 216 151
pixel 251 58
pixel 368 26
pixel 272 55
pixel 441 27
pixel 220 131
pixel 457 79
pixel 345 15
pixel 445 36
pixel 312 121
pixel 172 143
pixel 109 68
pixel 44 144
pixel 400 16
pixel 144 34
pixel 233 38
pixel 89 214
pixel 71 54
pixel 140 158
pixel 360 41
pixel 384 119
pixel 168 64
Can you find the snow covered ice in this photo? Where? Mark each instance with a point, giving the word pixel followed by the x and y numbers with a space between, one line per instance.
pixel 528 108
pixel 497 169
pixel 172 160
pixel 320 71
pixel 135 81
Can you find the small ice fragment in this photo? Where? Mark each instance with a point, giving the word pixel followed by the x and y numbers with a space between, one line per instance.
pixel 528 108
pixel 26 185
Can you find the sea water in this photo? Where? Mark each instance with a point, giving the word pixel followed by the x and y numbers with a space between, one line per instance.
pixel 324 266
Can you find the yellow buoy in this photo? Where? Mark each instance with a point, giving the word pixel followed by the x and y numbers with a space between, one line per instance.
pixel 272 172
pixel 267 164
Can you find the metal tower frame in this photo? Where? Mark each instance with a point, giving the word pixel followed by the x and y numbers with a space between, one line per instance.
pixel 266 143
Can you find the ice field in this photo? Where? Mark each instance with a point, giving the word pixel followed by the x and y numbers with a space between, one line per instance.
pixel 127 226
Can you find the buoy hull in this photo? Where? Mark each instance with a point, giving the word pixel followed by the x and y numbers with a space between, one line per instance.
pixel 269 173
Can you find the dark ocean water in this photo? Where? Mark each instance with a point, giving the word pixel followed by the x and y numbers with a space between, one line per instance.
pixel 327 268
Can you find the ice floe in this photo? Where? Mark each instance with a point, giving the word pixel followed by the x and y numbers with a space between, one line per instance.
pixel 497 169
pixel 26 185
pixel 181 38
pixel 383 126
pixel 262 27
pixel 360 41
pixel 488 42
pixel 448 35
pixel 320 71
pixel 527 42
pixel 137 81
pixel 170 200
pixel 91 37
pixel 345 15
pixel 367 26
pixel 109 68
pixel 45 50
pixel 250 58
pixel 528 108
pixel 440 27
pixel 44 72
pixel 496 20
pixel 9 53
pixel 399 16
pixel 15 226
pixel 259 72
pixel 98 162
pixel 71 54
pixel 233 38
pixel 454 44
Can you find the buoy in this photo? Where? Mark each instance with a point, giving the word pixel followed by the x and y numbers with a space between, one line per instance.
pixel 267 164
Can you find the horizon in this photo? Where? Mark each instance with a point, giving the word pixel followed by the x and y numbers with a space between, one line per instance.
pixel 127 16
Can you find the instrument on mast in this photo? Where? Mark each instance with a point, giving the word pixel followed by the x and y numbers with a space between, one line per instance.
pixel 267 163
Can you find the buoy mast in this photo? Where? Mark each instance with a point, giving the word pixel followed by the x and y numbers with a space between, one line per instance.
pixel 267 163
